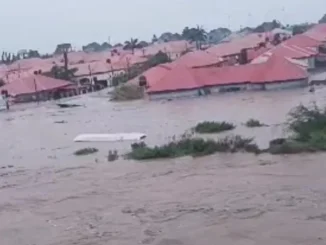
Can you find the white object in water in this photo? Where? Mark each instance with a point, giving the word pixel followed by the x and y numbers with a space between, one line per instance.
pixel 109 137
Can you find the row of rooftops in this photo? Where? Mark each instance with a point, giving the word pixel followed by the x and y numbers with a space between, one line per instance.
pixel 202 68
pixel 268 63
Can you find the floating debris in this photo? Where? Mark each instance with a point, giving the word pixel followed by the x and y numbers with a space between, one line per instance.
pixel 68 105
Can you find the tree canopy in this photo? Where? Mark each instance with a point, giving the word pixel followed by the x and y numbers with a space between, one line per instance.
pixel 96 47
pixel 197 35
pixel 322 20
pixel 132 44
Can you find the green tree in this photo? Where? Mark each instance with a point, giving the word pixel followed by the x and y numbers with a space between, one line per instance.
pixel 157 59
pixel 131 45
pixel 33 54
pixel 92 47
pixel 268 26
pixel 154 39
pixel 301 28
pixel 59 72
pixel 322 20
pixel 197 35
pixel 117 45
pixel 63 47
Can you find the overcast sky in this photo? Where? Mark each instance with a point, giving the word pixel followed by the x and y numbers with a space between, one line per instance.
pixel 41 24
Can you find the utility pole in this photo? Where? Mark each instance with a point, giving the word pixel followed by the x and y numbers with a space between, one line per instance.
pixel 36 92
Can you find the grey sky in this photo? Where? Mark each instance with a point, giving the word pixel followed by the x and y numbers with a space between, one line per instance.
pixel 41 24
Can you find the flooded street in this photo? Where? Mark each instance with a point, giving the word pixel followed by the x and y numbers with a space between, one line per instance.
pixel 49 196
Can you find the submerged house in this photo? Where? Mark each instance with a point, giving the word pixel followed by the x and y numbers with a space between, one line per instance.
pixel 275 73
pixel 178 82
pixel 38 88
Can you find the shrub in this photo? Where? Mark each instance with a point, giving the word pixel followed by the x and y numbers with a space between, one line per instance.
pixel 192 146
pixel 305 122
pixel 126 92
pixel 291 147
pixel 85 151
pixel 252 123
pixel 308 128
pixel 213 127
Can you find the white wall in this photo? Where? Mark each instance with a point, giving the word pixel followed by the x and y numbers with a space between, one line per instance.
pixel 173 95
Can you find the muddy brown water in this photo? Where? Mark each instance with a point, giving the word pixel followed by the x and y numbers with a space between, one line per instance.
pixel 48 196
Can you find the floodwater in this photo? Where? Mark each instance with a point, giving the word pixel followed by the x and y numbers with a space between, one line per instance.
pixel 48 196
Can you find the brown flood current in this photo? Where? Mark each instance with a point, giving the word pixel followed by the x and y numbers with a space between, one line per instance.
pixel 48 196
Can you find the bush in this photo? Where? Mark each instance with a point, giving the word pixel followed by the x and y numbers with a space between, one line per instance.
pixel 213 127
pixel 126 92
pixel 194 147
pixel 291 147
pixel 85 151
pixel 252 123
pixel 308 128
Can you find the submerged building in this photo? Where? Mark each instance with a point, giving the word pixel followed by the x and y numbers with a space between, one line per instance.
pixel 275 73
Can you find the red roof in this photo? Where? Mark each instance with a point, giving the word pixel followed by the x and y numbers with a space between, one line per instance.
pixel 286 50
pixel 302 41
pixel 152 75
pixel 275 69
pixel 234 47
pixel 254 53
pixel 26 85
pixel 197 59
pixel 97 67
pixel 318 32
pixel 213 76
pixel 292 51
pixel 179 78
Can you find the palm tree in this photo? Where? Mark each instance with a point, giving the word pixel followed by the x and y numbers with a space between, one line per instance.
pixel 200 36
pixel 197 35
pixel 131 45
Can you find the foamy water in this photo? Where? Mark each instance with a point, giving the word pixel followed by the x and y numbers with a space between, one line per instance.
pixel 50 196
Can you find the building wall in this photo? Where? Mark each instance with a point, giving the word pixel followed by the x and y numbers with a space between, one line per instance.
pixel 107 76
pixel 228 88
pixel 309 63
pixel 175 94
pixel 287 84
pixel 256 87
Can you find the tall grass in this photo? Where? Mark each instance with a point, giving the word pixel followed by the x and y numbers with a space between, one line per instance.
pixel 194 147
